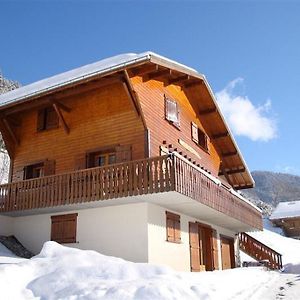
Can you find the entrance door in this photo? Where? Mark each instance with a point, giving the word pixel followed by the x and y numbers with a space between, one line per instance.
pixel 201 249
pixel 227 252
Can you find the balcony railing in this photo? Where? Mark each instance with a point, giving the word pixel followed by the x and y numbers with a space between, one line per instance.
pixel 140 177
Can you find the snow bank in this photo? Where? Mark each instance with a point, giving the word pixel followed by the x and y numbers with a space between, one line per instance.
pixel 60 272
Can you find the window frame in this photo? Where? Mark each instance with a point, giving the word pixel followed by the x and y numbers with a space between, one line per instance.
pixel 29 169
pixel 197 139
pixel 173 220
pixel 92 155
pixel 167 117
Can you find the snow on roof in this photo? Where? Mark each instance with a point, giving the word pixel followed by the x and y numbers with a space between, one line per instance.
pixel 84 72
pixel 286 210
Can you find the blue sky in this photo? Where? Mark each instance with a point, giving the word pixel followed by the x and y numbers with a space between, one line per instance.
pixel 248 50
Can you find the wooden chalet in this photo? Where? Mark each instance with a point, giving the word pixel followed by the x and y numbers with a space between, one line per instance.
pixel 287 216
pixel 129 156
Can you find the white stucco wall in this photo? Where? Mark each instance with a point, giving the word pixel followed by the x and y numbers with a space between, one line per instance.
pixel 115 230
pixel 6 225
pixel 175 255
pixel 136 232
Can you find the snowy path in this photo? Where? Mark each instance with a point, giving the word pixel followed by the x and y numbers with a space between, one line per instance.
pixel 283 287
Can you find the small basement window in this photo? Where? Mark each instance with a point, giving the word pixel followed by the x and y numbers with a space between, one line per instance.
pixel 64 228
pixel 173 227
pixel 172 112
pixel 47 119
pixel 199 136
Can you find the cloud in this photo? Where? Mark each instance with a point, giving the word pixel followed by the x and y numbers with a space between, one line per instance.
pixel 243 117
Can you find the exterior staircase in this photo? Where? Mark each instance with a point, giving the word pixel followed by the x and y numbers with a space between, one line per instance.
pixel 260 252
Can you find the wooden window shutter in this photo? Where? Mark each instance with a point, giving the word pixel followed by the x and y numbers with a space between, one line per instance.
pixel 177 231
pixel 173 227
pixel 80 161
pixel 194 129
pixel 49 167
pixel 123 153
pixel 41 120
pixel 64 228
pixel 19 175
pixel 215 250
pixel 51 118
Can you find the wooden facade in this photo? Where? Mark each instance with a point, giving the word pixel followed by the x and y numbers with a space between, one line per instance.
pixel 100 118
pixel 290 226
pixel 107 137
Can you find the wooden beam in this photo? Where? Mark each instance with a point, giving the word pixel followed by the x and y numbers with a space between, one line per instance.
pixel 60 105
pixel 220 135
pixel 10 131
pixel 242 187
pixel 157 74
pixel 13 121
pixel 61 118
pixel 140 71
pixel 193 83
pixel 234 171
pixel 134 96
pixel 9 143
pixel 208 111
pixel 225 173
pixel 179 79
pixel 228 154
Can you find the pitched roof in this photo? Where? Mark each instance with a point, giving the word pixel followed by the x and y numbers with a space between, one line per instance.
pixel 286 210
pixel 234 164
pixel 82 73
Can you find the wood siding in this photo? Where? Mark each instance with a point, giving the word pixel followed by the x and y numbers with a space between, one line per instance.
pixel 151 95
pixel 97 118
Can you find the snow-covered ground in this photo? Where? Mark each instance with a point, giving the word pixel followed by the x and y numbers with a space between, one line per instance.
pixel 60 272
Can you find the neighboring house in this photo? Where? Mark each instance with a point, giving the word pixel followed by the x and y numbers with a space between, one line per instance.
pixel 129 156
pixel 287 216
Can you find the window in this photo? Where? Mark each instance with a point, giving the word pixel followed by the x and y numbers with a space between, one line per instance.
pixel 47 119
pixel 63 228
pixel 172 112
pixel 99 159
pixel 34 171
pixel 173 227
pixel 44 168
pixel 199 137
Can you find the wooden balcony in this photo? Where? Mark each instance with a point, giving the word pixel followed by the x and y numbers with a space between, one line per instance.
pixel 147 176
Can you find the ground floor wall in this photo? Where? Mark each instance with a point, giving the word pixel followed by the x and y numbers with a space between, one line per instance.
pixel 114 230
pixel 135 232
pixel 176 255
pixel 6 225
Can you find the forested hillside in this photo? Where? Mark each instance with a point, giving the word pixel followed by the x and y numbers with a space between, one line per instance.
pixel 272 188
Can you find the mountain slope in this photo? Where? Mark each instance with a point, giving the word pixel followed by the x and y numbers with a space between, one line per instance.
pixel 273 188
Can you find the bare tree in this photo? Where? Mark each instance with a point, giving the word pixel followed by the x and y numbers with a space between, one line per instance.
pixel 6 85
